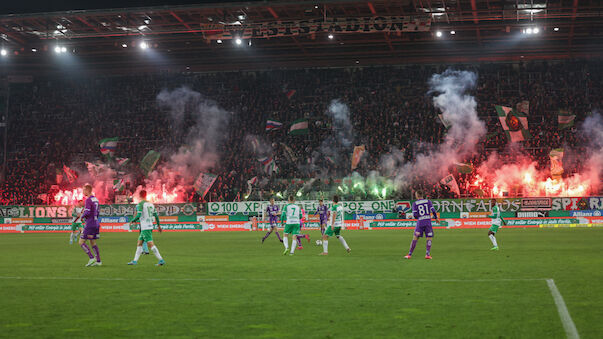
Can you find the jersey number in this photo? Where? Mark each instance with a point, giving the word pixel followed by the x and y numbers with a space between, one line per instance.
pixel 423 210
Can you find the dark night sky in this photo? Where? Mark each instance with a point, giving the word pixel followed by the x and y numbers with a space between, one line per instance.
pixel 20 7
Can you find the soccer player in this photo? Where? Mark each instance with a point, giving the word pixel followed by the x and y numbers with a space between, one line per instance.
pixel 422 210
pixel 323 213
pixel 497 220
pixel 337 216
pixel 145 213
pixel 92 228
pixel 76 223
pixel 302 236
pixel 291 218
pixel 272 211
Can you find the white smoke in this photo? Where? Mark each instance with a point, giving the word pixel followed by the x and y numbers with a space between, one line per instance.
pixel 203 124
pixel 459 108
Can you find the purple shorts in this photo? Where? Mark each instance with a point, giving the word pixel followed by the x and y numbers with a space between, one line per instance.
pixel 424 229
pixel 90 233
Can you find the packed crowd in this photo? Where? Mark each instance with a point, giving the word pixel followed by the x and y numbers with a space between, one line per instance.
pixel 59 121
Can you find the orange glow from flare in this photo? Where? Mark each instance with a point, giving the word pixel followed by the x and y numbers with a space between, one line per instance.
pixel 69 197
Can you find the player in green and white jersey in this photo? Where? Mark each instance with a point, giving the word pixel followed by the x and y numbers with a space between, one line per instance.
pixel 76 222
pixel 291 216
pixel 497 221
pixel 145 213
pixel 335 225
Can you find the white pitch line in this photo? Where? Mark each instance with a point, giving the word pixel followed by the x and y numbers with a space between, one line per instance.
pixel 267 279
pixel 566 319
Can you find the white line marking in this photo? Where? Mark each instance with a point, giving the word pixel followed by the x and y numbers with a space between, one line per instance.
pixel 266 279
pixel 566 319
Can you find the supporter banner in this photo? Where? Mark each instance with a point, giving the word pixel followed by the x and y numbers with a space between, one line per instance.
pixel 115 210
pixel 255 207
pixel 331 24
pixel 514 204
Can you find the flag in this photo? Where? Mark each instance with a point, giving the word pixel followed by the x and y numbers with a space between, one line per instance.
pixel 118 185
pixel 565 119
pixel 59 176
pixel 273 124
pixel 255 143
pixel 252 181
pixel 556 156
pixel 445 122
pixel 299 127
pixel 330 159
pixel 464 168
pixel 289 153
pixel 204 182
pixel 268 164
pixel 290 93
pixel 523 107
pixel 514 123
pixel 357 155
pixel 108 146
pixel 149 161
pixel 122 161
pixel 70 174
pixel 92 168
pixel 451 183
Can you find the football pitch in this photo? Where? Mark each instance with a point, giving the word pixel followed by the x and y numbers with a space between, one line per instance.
pixel 228 285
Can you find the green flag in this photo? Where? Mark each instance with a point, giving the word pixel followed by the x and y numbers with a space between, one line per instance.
pixel 299 127
pixel 149 161
pixel 565 119
pixel 514 123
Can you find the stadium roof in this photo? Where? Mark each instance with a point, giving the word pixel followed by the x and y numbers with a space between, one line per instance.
pixel 203 37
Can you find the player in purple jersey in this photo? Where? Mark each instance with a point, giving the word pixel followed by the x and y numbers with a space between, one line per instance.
pixel 92 227
pixel 302 236
pixel 422 210
pixel 323 213
pixel 272 211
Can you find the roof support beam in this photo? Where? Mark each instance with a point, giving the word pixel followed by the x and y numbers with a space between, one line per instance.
pixel 571 32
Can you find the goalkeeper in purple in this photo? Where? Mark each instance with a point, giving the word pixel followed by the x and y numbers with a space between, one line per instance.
pixel 422 210
pixel 272 211
pixel 92 228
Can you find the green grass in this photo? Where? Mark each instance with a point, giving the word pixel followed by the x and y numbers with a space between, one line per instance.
pixel 228 285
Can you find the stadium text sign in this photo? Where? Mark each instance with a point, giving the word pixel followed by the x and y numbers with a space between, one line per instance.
pixel 331 25
pixel 115 210
pixel 254 207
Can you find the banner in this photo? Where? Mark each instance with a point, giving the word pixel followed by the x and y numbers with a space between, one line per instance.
pixel 450 182
pixel 310 206
pixel 299 127
pixel 336 25
pixel 514 123
pixel 149 161
pixel 565 119
pixel 556 156
pixel 357 155
pixel 204 182
pixel 108 146
pixel 70 174
pixel 273 125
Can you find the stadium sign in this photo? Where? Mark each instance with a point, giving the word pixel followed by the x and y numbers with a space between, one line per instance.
pixel 587 213
pixel 532 214
pixel 115 210
pixel 256 207
pixel 536 204
pixel 312 26
pixel 471 205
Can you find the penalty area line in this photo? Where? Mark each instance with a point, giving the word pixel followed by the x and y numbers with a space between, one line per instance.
pixel 268 279
pixel 566 319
